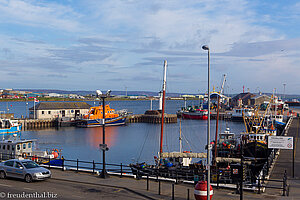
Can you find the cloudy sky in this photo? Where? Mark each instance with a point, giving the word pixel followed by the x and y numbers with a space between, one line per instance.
pixel 118 44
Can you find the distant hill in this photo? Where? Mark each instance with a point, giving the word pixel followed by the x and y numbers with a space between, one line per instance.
pixel 138 93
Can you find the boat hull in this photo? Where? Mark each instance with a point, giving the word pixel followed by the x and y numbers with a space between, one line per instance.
pixel 256 150
pixel 87 123
pixel 11 130
pixel 194 115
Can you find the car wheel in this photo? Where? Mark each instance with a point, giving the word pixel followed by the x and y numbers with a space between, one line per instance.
pixel 28 178
pixel 2 175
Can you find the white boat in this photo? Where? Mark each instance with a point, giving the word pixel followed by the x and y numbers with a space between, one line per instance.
pixel 16 147
pixel 238 113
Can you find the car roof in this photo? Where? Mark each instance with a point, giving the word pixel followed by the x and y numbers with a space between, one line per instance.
pixel 18 160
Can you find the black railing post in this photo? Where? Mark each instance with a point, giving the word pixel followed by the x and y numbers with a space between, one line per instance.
pixel 93 166
pixel 173 190
pixel 218 178
pixel 158 187
pixel 63 164
pixel 147 181
pixel 121 170
pixel 188 194
pixel 176 177
pixel 77 165
pixel 284 184
pixel 258 192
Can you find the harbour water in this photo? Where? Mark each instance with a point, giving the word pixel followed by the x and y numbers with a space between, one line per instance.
pixel 134 142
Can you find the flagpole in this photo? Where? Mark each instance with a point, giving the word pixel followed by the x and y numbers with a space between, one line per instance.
pixel 34 108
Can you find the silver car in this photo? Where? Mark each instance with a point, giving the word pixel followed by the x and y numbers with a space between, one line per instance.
pixel 24 169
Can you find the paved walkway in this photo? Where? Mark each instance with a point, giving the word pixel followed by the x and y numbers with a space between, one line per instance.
pixel 139 187
pixel 284 162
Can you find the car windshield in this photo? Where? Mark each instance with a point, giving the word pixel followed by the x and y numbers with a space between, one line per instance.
pixel 30 164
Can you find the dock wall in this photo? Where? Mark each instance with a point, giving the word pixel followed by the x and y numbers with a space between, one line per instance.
pixel 37 123
pixel 153 119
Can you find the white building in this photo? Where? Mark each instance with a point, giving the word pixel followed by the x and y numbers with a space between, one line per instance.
pixel 52 110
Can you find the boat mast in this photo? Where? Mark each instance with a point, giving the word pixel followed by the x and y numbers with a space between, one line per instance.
pixel 180 138
pixel 163 107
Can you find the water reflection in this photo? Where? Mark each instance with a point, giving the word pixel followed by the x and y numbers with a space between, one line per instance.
pixel 94 136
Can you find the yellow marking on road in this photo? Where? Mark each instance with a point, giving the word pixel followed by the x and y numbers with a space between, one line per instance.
pixel 119 190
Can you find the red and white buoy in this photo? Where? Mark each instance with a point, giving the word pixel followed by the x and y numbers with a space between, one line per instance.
pixel 200 192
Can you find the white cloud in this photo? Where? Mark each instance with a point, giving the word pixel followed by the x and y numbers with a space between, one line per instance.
pixel 39 14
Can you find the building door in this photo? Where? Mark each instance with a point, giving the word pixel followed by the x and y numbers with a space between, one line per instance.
pixel 63 113
pixel 77 113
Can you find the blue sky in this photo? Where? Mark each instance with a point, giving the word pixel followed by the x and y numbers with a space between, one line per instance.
pixel 93 44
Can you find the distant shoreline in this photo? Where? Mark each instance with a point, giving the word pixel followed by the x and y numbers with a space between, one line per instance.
pixel 68 99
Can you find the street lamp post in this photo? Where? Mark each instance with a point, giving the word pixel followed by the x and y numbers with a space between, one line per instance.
pixel 103 146
pixel 284 91
pixel 205 47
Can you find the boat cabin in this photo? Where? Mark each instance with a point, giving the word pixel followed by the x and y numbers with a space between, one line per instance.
pixel 7 123
pixel 10 148
pixel 239 112
pixel 226 135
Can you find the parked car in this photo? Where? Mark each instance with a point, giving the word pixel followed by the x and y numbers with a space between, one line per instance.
pixel 24 169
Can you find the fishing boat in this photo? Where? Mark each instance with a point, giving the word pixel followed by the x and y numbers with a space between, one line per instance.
pixel 194 113
pixel 94 118
pixel 238 114
pixel 226 144
pixel 9 127
pixel 16 147
pixel 171 164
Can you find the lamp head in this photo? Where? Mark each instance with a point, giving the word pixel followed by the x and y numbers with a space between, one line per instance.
pixel 98 92
pixel 108 92
pixel 205 47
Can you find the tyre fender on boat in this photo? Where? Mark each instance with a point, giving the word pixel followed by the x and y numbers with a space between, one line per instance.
pixel 55 153
pixel 24 155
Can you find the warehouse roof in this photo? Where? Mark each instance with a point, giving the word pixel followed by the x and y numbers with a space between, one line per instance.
pixel 61 105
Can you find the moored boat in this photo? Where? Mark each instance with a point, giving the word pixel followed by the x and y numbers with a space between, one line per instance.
pixel 195 113
pixel 9 127
pixel 27 148
pixel 94 118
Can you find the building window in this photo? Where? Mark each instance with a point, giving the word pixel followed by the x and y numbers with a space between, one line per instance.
pixel 72 111
pixel 49 112
pixel 18 147
pixel 29 145
pixel 3 147
pixel 8 147
pixel 24 146
pixel 42 112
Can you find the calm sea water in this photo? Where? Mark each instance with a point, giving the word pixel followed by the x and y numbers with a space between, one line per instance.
pixel 135 142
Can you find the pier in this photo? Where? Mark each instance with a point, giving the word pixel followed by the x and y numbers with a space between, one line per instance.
pixel 37 123
pixel 153 119
pixel 285 163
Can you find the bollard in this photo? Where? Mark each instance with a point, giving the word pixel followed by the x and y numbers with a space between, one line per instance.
pixel 188 194
pixel 200 191
pixel 173 190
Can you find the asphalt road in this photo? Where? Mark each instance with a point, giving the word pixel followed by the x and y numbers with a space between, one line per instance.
pixel 58 189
